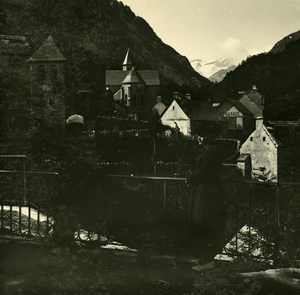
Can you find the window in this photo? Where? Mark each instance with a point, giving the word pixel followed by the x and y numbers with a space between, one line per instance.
pixel 54 73
pixel 173 108
pixel 41 73
pixel 232 124
pixel 251 138
pixel 264 138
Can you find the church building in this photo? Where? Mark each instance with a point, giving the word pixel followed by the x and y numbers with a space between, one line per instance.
pixel 136 89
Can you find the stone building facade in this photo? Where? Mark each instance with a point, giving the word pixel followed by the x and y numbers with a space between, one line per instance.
pixel 47 85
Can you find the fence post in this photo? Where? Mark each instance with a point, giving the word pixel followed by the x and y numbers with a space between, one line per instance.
pixel 249 220
pixel 24 182
pixel 11 219
pixel 2 216
pixel 277 224
pixel 38 221
pixel 29 220
pixel 20 219
pixel 165 196
pixel 236 218
pixel 47 225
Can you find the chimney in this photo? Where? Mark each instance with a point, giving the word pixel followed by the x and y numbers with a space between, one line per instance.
pixel 254 87
pixel 188 96
pixel 259 122
pixel 175 95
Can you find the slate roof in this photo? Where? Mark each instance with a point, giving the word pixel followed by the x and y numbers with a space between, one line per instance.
pixel 133 77
pixel 116 77
pixel 118 95
pixel 47 52
pixel 255 96
pixel 256 110
pixel 240 106
pixel 200 111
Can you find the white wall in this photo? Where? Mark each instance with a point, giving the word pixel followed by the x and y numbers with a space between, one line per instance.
pixel 263 153
pixel 175 115
pixel 183 125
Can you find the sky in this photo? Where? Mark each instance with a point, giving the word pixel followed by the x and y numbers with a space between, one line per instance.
pixel 212 29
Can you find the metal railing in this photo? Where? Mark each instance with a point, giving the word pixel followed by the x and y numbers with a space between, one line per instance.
pixel 262 220
pixel 25 221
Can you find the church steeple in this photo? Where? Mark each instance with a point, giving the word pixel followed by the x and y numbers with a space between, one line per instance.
pixel 128 62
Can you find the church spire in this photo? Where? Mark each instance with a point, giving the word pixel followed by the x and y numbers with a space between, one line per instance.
pixel 127 63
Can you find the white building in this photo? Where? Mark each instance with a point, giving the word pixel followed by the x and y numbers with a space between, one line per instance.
pixel 263 149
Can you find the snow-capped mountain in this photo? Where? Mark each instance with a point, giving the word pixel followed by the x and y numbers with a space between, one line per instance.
pixel 220 75
pixel 209 68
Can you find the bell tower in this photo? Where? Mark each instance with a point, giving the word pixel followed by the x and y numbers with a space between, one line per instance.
pixel 47 83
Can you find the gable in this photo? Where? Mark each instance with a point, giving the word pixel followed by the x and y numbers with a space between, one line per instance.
pixel 260 136
pixel 233 112
pixel 174 112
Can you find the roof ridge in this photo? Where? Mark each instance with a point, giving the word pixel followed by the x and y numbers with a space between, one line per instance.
pixel 273 139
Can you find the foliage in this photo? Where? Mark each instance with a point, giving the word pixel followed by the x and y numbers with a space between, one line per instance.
pixel 276 77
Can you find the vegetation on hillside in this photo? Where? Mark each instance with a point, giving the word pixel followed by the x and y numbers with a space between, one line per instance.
pixel 276 76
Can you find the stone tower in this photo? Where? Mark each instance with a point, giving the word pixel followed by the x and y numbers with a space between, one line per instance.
pixel 47 84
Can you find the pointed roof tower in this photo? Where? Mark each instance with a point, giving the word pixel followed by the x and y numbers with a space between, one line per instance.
pixel 47 52
pixel 133 77
pixel 128 61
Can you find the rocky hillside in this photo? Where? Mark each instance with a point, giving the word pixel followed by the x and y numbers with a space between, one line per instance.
pixel 94 35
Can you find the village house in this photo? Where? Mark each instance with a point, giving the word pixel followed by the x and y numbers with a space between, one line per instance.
pixel 253 101
pixel 240 121
pixel 159 107
pixel 193 118
pixel 137 89
pixel 241 113
pixel 14 50
pixel 274 150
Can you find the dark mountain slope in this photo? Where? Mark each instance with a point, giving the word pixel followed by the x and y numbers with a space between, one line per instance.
pixel 281 45
pixel 277 77
pixel 94 35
